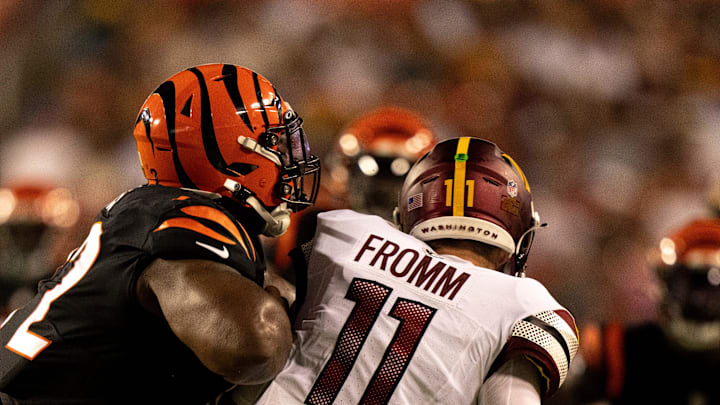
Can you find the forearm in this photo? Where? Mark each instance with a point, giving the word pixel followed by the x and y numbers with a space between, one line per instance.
pixel 515 383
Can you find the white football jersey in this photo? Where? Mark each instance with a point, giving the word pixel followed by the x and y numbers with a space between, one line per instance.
pixel 387 320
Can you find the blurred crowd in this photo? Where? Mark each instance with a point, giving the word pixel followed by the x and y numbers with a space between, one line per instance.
pixel 611 107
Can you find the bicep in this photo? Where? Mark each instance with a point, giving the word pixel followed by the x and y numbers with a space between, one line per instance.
pixel 228 321
pixel 516 382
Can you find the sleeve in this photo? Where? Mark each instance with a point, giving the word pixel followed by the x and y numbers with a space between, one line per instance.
pixel 208 233
pixel 516 383
pixel 548 339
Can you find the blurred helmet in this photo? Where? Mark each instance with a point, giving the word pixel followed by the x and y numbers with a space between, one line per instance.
pixel 224 129
pixel 373 154
pixel 688 265
pixel 467 188
pixel 34 220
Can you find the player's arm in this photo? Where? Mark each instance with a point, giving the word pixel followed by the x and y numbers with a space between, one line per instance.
pixel 233 326
pixel 516 382
pixel 548 341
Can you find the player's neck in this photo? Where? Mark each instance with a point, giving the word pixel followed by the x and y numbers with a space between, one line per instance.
pixel 469 255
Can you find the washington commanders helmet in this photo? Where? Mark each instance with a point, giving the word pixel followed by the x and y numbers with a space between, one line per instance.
pixel 467 188
pixel 373 154
pixel 688 265
pixel 224 130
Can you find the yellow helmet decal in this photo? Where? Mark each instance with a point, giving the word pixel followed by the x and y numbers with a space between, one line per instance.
pixel 461 157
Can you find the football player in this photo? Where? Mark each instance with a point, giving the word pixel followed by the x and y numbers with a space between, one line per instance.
pixel 164 301
pixel 676 359
pixel 437 311
pixel 36 221
pixel 373 154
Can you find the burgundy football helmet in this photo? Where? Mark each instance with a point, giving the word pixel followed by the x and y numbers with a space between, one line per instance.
pixel 467 188
pixel 688 265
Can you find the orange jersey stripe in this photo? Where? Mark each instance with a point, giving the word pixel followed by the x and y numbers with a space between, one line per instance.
pixel 252 247
pixel 220 218
pixel 193 225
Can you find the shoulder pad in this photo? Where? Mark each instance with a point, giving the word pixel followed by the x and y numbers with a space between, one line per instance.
pixel 195 231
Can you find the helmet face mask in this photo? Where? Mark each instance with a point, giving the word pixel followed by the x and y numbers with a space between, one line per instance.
pixel 298 163
pixel 223 129
pixel 467 188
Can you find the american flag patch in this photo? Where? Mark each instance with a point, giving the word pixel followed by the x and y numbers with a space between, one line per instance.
pixel 415 202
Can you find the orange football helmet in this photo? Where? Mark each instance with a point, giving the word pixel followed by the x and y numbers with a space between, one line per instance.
pixel 376 150
pixel 224 129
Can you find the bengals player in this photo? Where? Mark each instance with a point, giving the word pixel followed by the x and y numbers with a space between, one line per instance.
pixel 438 311
pixel 676 359
pixel 165 302
pixel 373 154
pixel 36 221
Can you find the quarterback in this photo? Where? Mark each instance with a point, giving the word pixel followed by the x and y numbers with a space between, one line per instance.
pixel 437 311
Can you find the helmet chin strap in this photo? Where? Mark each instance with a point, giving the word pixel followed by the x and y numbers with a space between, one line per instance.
pixel 521 257
pixel 276 222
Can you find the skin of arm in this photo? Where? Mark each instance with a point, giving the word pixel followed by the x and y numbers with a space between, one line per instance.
pixel 233 326
pixel 517 382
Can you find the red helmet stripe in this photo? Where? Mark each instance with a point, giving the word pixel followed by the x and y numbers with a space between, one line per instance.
pixel 459 176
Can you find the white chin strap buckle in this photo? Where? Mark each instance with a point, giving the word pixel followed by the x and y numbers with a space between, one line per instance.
pixel 276 222
pixel 252 145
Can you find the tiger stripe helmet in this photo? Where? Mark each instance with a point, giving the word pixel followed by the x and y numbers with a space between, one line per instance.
pixel 467 188
pixel 224 129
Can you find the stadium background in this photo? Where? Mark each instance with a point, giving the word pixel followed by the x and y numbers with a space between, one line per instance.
pixel 611 107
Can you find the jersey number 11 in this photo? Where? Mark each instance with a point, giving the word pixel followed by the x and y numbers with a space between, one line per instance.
pixel 370 297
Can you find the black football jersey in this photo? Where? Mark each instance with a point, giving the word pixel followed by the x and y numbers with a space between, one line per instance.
pixel 85 339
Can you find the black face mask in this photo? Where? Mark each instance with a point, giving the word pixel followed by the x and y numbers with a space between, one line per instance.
pixel 300 173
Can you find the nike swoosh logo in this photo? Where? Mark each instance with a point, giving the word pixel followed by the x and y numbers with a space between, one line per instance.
pixel 223 253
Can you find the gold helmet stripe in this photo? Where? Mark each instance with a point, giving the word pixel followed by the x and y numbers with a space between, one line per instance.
pixel 515 165
pixel 461 157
